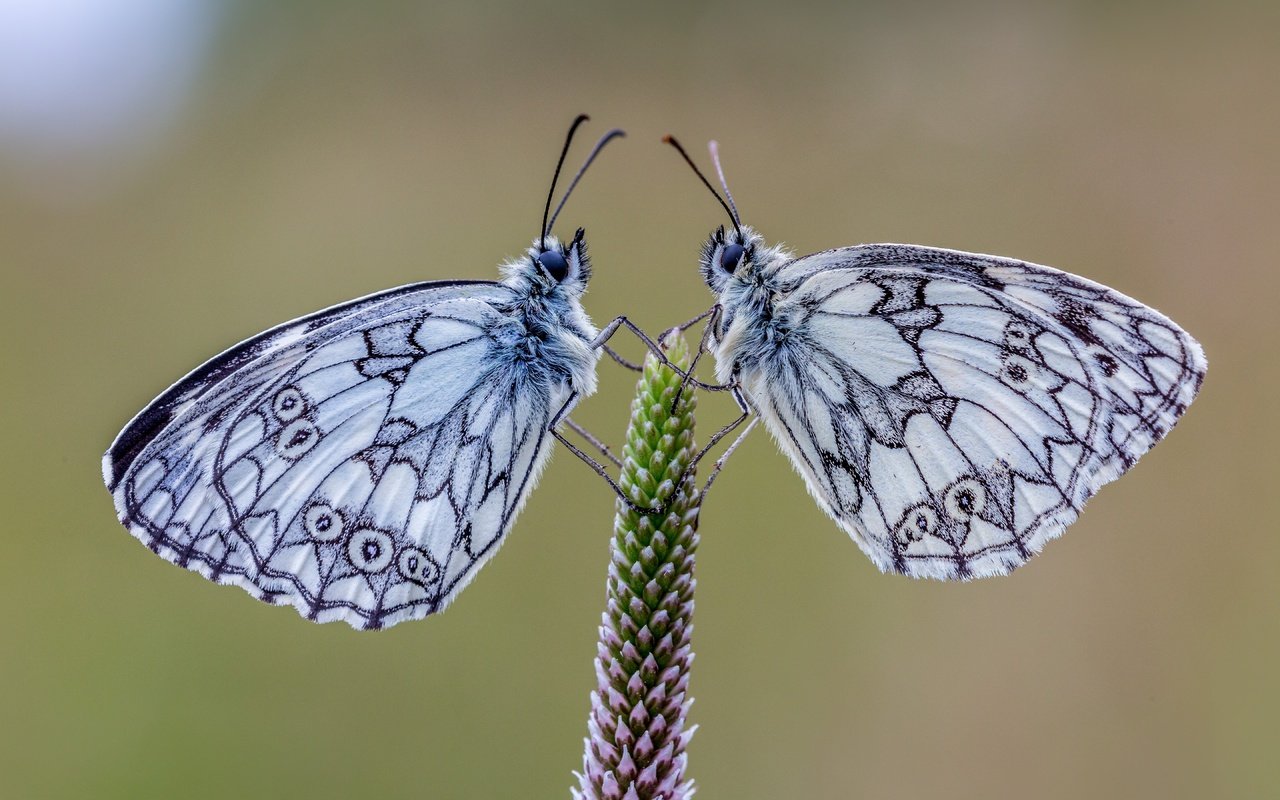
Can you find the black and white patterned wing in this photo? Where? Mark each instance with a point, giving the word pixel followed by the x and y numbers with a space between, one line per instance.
pixel 953 412
pixel 360 464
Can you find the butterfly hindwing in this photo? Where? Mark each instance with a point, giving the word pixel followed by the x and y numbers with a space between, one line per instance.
pixel 359 465
pixel 953 411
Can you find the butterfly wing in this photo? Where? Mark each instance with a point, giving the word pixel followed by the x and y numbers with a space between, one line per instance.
pixel 953 412
pixel 179 397
pixel 359 464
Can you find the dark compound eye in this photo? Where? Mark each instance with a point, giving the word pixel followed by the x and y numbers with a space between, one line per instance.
pixel 730 256
pixel 555 264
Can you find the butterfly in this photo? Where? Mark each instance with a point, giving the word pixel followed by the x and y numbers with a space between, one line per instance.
pixel 363 462
pixel 951 411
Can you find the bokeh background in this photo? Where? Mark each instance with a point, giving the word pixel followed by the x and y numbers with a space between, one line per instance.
pixel 175 176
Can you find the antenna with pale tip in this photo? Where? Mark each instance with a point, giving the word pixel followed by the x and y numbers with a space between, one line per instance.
pixel 714 147
pixel 671 140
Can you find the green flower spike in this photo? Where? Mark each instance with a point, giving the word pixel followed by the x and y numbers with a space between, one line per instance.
pixel 635 749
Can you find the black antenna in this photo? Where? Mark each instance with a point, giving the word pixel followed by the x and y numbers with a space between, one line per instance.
pixel 595 151
pixel 568 140
pixel 671 140
pixel 714 147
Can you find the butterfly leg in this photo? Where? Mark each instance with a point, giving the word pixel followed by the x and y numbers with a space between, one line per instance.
pixel 620 322
pixel 714 314
pixel 715 469
pixel 735 390
pixel 690 323
pixel 596 466
pixel 686 380
pixel 631 365
pixel 595 442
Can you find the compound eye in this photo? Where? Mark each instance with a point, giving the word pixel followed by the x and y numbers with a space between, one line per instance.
pixel 555 264
pixel 730 256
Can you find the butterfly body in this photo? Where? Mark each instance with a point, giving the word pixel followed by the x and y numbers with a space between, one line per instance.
pixel 363 462
pixel 951 411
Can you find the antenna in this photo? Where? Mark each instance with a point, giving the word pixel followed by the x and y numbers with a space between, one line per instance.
pixel 568 140
pixel 714 147
pixel 595 151
pixel 671 140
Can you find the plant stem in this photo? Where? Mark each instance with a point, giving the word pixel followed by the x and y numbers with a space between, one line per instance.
pixel 635 748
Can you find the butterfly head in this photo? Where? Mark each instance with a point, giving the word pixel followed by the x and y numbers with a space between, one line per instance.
pixel 729 256
pixel 551 267
pixel 739 259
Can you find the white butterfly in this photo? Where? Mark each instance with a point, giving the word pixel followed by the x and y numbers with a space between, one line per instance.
pixel 363 462
pixel 952 412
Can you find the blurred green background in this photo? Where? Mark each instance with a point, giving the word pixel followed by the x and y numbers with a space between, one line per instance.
pixel 173 182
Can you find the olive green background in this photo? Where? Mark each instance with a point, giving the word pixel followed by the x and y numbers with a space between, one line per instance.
pixel 331 150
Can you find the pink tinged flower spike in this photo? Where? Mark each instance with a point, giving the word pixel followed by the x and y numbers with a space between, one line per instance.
pixel 636 735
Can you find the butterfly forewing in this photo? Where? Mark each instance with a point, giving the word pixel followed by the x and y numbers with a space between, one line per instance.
pixel 954 411
pixel 165 408
pixel 359 464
